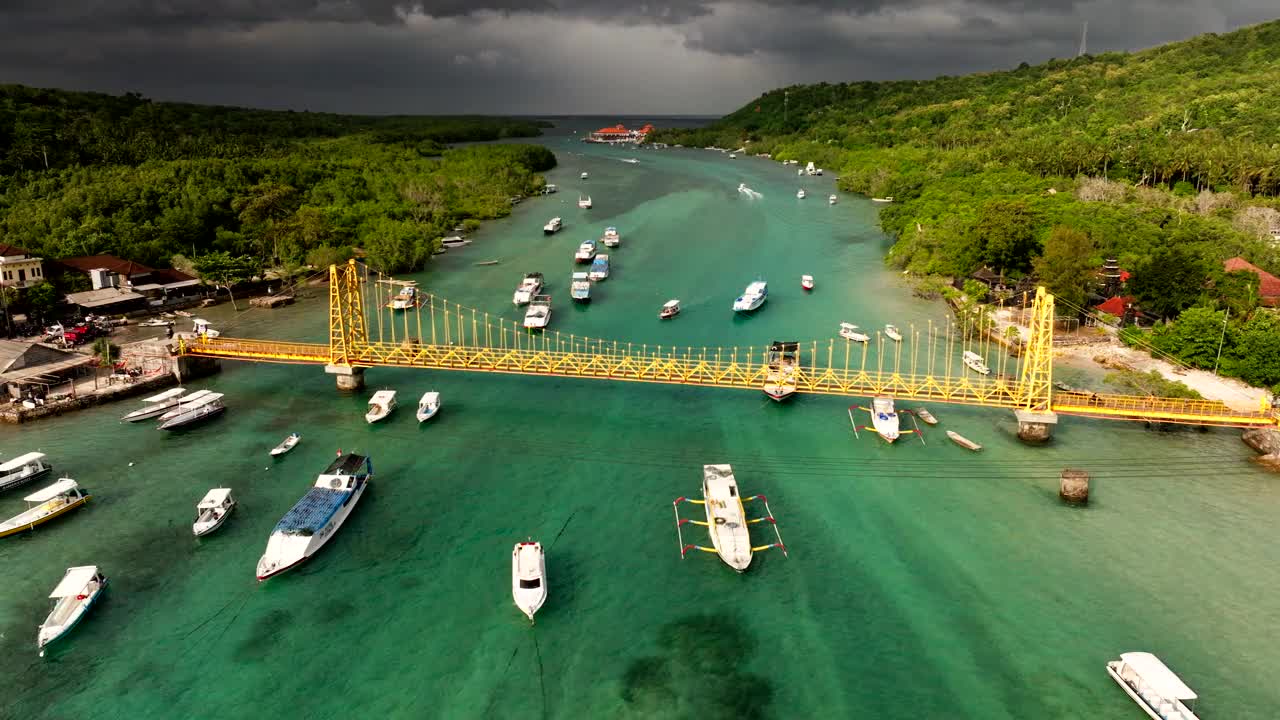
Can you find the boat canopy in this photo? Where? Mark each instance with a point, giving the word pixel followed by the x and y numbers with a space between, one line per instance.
pixel 1156 675
pixel 21 461
pixel 848 326
pixel 429 398
pixel 671 304
pixel 201 400
pixel 74 581
pixel 45 494
pixel 166 395
pixel 214 498
pixel 382 397
pixel 195 396
pixel 787 346
pixel 579 276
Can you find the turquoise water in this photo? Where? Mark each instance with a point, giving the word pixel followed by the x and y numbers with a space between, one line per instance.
pixel 923 581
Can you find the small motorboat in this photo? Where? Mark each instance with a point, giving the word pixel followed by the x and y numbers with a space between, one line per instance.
pixel 580 287
pixel 45 504
pixel 584 176
pixel 155 322
pixel 538 316
pixel 586 252
pixel 599 268
pixel 528 577
pixel 732 156
pixel 891 332
pixel 529 286
pixel 806 282
pixel 23 469
pixel 963 441
pixel 584 202
pixel 831 200
pixel 553 226
pixel 212 511
pixel 611 237
pixel 74 596
pixel 380 406
pixel 974 361
pixel 203 329
pixel 455 241
pixel 633 161
pixel 669 310
pixel 286 445
pixel 428 406
pixel 888 199
pixel 800 194
pixel 849 331
pixel 753 297
pixel 926 416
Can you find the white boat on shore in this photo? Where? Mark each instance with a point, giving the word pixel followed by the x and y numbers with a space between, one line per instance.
pixel 1153 686
pixel 73 597
pixel 23 469
pixel 528 577
pixel 380 406
pixel 44 505
pixel 753 297
pixel 884 419
pixel 428 406
pixel 156 405
pixel 849 331
pixel 726 518
pixel 212 510
pixel 286 445
pixel 315 519
pixel 155 322
pixel 891 332
pixel 538 316
pixel 783 360
pixel 974 361
pixel 529 286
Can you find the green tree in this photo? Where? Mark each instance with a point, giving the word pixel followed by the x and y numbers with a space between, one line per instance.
pixel 223 270
pixel 1066 268
pixel 1256 355
pixel 42 298
pixel 1169 281
pixel 1193 337
pixel 1006 232
pixel 324 256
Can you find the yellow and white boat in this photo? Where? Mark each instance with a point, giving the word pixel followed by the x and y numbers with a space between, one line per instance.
pixel 44 505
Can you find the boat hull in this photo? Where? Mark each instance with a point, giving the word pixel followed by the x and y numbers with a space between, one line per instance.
pixel 425 416
pixel 20 480
pixel 780 394
pixel 293 553
pixel 42 642
pixel 194 418
pixel 200 530
pixel 24 526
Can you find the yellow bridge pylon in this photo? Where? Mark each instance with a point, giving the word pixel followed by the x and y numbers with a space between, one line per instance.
pixel 458 338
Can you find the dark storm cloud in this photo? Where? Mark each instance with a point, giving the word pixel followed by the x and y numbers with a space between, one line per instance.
pixel 527 56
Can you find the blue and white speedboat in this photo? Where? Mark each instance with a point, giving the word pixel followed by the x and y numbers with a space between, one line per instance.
pixel 75 594
pixel 317 516
pixel 599 268
pixel 753 297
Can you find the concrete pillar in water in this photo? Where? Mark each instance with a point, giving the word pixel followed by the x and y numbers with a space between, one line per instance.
pixel 1074 486
pixel 1035 427
pixel 350 379
pixel 190 367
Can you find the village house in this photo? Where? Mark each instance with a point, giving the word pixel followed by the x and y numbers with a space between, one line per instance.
pixel 1268 284
pixel 18 269
pixel 619 134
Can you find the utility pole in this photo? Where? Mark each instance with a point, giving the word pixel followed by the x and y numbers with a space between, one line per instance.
pixel 1221 340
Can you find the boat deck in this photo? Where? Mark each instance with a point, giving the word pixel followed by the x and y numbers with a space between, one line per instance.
pixel 312 511
pixel 349 464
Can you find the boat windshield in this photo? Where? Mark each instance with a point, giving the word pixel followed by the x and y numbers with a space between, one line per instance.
pixel 530 584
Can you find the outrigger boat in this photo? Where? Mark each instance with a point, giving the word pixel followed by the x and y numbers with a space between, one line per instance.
pixel 849 331
pixel 783 360
pixel 806 282
pixel 963 441
pixel 316 518
pixel 156 405
pixel 73 597
pixel 975 363
pixel 726 521
pixel 380 406
pixel 891 332
pixel 46 504
pixel 885 421
pixel 670 309
pixel 286 445
pixel 213 510
pixel 1153 686
pixel 428 406
pixel 23 469
pixel 528 577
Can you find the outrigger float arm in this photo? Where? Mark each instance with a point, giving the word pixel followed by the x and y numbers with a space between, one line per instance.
pixel 675 509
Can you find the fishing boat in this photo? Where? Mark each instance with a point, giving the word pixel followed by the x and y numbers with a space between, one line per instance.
pixel 528 577
pixel 780 380
pixel 45 504
pixel 891 332
pixel 849 331
pixel 380 406
pixel 599 268
pixel 884 419
pixel 428 406
pixel 963 441
pixel 831 199
pixel 212 511
pixel 611 237
pixel 800 194
pixel 205 408
pixel 156 405
pixel 73 597
pixel 888 199
pixel 753 297
pixel 286 445
pixel 586 252
pixel 926 416
pixel 584 202
pixel 316 518
pixel 584 176
pixel 975 363
pixel 529 286
pixel 1153 686
pixel 580 288
pixel 726 518
pixel 406 299
pixel 155 322
pixel 553 226
pixel 538 316
pixel 670 309
pixel 806 282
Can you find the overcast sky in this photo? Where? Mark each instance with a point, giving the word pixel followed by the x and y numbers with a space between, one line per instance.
pixel 555 56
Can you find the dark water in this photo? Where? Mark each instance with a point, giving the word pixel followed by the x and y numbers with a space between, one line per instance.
pixel 923 581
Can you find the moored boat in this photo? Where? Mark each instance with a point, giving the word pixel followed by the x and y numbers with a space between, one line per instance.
pixel 1153 686
pixel 584 176
pixel 783 360
pixel 529 286
pixel 888 199
pixel 891 332
pixel 926 416
pixel 455 241
pixel 204 408
pixel 831 199
pixel 23 469
pixel 212 510
pixel 599 268
pixel 286 445
pixel 670 309
pixel 849 331
pixel 538 316
pixel 974 361
pixel 963 441
pixel 528 577
pixel 316 518
pixel 806 282
pixel 584 202
pixel 406 299
pixel 380 406
pixel 155 322
pixel 156 405
pixel 586 252
pixel 44 505
pixel 753 297
pixel 185 402
pixel 800 194
pixel 726 518
pixel 553 226
pixel 580 288
pixel 884 419
pixel 611 237
pixel 428 406
pixel 73 597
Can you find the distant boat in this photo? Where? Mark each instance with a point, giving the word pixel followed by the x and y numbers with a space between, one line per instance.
pixel 155 322
pixel 455 241
pixel 611 237
pixel 800 194
pixel 599 268
pixel 584 202
pixel 553 226
pixel 380 406
pixel 580 288
pixel 732 156
pixel 286 445
pixel 891 331
pixel 806 282
pixel 884 418
pixel 633 161
pixel 888 199
pixel 753 297
pixel 584 176
pixel 428 406
pixel 212 511
pixel 831 200
pixel 538 316
pixel 963 441
pixel 849 331
pixel 315 519
pixel 74 596
pixel 44 505
pixel 669 310
pixel 529 286
pixel 528 577
pixel 975 363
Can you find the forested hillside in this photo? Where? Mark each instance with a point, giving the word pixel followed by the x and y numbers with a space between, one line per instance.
pixel 85 173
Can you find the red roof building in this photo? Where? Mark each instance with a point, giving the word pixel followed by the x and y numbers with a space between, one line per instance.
pixel 619 133
pixel 1268 284
pixel 1115 306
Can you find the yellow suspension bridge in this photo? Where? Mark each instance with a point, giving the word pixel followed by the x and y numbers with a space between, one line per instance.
pixel 468 340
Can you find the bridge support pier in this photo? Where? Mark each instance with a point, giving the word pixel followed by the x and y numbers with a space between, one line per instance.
pixel 190 367
pixel 350 379
pixel 1035 427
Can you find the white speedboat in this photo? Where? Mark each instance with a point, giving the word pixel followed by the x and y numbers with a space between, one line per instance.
pixel 205 407
pixel 891 332
pixel 753 297
pixel 584 202
pixel 806 282
pixel 783 362
pixel 428 406
pixel 538 316
pixel 23 469
pixel 975 363
pixel 529 286
pixel 726 518
pixel 831 199
pixel 611 237
pixel 800 194
pixel 528 577
pixel 1153 686
pixel 584 176
pixel 212 511
pixel 380 406
pixel 74 596
pixel 849 331
pixel 633 161
pixel 586 252
pixel 316 518
pixel 599 268
pixel 888 199
pixel 670 309
pixel 553 226
pixel 884 419
pixel 156 405
pixel 455 241
pixel 286 445
pixel 44 505
pixel 580 287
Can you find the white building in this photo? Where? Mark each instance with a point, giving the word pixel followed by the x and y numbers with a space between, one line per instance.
pixel 19 270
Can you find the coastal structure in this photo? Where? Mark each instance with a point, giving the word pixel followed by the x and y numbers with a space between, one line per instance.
pixel 619 134
pixel 18 269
